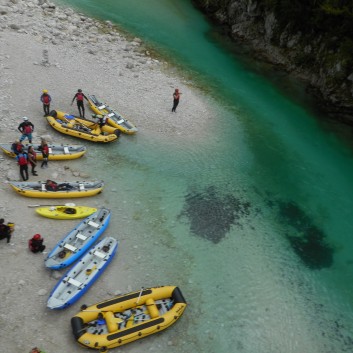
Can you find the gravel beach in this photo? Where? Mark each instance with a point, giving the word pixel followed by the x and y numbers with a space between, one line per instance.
pixel 45 47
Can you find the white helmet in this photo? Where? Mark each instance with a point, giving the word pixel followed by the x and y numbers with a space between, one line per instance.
pixel 25 118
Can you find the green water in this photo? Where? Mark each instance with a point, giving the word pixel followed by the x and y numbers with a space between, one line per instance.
pixel 276 277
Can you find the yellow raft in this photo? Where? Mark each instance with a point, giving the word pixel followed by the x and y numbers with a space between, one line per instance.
pixel 56 152
pixel 69 125
pixel 66 212
pixel 66 189
pixel 127 318
pixel 114 118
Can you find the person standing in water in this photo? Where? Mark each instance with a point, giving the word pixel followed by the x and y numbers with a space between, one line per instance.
pixel 80 96
pixel 176 98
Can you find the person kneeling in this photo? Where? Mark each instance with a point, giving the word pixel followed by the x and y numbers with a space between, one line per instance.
pixel 35 244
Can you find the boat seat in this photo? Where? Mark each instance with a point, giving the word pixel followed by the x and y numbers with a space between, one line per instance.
pixel 81 236
pixel 120 121
pixel 66 150
pixel 82 186
pixel 110 115
pixel 44 187
pixel 50 150
pixel 70 247
pixel 93 224
pixel 100 254
pixel 112 321
pixel 101 106
pixel 152 308
pixel 74 282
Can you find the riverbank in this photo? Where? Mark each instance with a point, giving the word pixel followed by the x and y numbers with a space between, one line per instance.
pixel 44 47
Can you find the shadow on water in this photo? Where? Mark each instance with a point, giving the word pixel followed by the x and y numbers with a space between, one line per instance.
pixel 212 213
pixel 309 240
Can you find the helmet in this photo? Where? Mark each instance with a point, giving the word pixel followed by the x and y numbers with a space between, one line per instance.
pixel 79 90
pixel 45 91
pixel 25 118
pixel 36 236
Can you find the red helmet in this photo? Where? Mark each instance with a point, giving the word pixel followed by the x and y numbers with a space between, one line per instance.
pixel 36 236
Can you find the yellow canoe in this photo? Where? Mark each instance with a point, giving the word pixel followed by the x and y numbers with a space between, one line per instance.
pixel 56 152
pixel 114 119
pixel 67 124
pixel 127 318
pixel 71 189
pixel 65 211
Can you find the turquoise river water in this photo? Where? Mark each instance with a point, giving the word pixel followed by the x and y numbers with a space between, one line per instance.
pixel 253 224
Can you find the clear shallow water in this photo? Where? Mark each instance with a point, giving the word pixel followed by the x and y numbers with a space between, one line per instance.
pixel 257 216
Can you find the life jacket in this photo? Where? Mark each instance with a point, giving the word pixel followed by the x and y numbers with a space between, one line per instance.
pixel 16 147
pixel 46 98
pixel 45 149
pixel 79 96
pixel 27 129
pixel 51 185
pixel 22 159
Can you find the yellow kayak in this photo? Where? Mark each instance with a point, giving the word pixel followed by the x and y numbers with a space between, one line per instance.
pixel 114 118
pixel 66 212
pixel 67 124
pixel 56 152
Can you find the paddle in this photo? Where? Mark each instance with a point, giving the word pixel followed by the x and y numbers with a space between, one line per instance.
pixel 67 205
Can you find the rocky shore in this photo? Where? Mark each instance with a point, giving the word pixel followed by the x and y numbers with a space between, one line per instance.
pixel 307 56
pixel 46 47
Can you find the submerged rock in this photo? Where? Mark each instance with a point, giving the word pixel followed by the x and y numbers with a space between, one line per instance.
pixel 212 213
pixel 308 241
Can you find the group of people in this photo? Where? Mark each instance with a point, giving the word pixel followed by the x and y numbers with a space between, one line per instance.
pixel 45 98
pixel 28 157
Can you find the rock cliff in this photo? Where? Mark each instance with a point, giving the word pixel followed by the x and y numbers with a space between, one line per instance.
pixel 301 38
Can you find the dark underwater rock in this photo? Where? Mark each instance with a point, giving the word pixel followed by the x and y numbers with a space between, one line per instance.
pixel 211 213
pixel 307 240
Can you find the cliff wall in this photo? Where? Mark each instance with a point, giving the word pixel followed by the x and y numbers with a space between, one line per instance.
pixel 300 37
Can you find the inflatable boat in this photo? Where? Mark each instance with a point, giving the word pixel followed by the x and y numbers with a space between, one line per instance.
pixel 114 118
pixel 66 189
pixel 127 318
pixel 78 240
pixel 75 283
pixel 56 152
pixel 67 124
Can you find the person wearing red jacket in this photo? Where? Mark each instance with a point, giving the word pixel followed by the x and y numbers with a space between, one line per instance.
pixel 45 99
pixel 35 244
pixel 80 96
pixel 45 153
pixel 176 98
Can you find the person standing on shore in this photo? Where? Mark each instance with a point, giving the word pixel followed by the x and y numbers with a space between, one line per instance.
pixel 45 153
pixel 26 128
pixel 176 98
pixel 80 96
pixel 32 159
pixel 45 99
pixel 16 147
pixel 22 160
